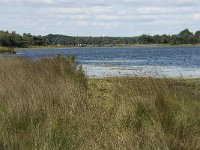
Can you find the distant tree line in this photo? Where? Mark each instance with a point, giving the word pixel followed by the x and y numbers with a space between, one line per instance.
pixel 12 39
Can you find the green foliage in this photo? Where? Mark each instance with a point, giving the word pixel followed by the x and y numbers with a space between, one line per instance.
pixel 197 35
pixel 27 40
pixel 146 39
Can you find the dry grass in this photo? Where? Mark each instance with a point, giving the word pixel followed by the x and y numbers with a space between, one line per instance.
pixel 49 104
pixel 7 50
pixel 40 103
pixel 147 113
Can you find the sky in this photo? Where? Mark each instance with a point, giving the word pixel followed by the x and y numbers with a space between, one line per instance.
pixel 99 17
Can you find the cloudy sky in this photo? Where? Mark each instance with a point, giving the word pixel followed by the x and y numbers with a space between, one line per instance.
pixel 99 17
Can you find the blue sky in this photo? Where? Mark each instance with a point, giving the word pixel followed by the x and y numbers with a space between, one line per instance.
pixel 99 17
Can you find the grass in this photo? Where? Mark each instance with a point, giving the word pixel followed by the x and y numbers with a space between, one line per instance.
pixel 7 50
pixel 50 104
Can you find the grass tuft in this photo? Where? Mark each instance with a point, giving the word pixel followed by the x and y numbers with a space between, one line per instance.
pixel 7 50
pixel 50 104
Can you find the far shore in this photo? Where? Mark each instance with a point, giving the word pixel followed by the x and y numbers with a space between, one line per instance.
pixel 106 46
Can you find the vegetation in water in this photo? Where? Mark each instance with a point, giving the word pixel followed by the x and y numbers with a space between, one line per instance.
pixel 50 104
pixel 27 40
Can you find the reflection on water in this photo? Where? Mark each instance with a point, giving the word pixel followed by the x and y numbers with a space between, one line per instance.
pixel 139 61
pixel 145 71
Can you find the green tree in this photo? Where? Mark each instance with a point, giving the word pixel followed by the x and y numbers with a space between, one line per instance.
pixel 187 37
pixel 197 35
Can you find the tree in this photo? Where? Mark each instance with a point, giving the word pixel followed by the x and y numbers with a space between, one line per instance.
pixel 146 39
pixel 197 35
pixel 13 39
pixel 187 37
pixel 185 33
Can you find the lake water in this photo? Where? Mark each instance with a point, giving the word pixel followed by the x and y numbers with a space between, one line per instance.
pixel 134 61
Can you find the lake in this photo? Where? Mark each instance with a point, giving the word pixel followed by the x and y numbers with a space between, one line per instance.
pixel 134 61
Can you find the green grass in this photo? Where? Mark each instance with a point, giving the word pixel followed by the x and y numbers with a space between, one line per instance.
pixel 50 104
pixel 7 50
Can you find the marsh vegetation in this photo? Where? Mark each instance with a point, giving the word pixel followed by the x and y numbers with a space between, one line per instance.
pixel 50 104
pixel 7 50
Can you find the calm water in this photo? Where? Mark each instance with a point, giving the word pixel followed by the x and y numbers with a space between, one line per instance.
pixel 142 61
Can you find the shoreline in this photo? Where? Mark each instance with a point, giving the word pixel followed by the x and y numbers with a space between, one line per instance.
pixel 107 46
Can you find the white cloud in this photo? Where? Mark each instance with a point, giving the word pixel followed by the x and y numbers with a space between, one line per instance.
pixel 97 17
pixel 166 1
pixel 77 10
pixel 196 16
pixel 28 1
pixel 164 10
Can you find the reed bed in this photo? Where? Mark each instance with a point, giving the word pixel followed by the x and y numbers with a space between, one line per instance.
pixel 50 104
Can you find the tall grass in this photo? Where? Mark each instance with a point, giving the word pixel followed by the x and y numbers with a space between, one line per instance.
pixel 40 103
pixel 7 50
pixel 146 113
pixel 50 104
